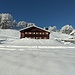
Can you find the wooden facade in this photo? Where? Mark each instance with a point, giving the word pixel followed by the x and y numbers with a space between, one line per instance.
pixel 34 32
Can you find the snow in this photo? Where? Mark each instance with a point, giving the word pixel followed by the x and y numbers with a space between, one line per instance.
pixel 35 57
pixel 73 32
pixel 38 62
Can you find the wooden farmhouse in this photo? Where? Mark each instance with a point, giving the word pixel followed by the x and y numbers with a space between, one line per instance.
pixel 34 32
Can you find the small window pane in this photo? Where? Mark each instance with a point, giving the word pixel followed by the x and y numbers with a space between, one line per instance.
pixel 25 32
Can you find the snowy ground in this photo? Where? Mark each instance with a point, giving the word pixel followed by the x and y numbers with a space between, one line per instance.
pixel 35 57
pixel 37 62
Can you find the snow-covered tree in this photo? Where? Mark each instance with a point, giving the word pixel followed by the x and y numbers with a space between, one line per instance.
pixel 30 24
pixel 52 28
pixel 6 21
pixel 22 23
pixel 14 23
pixel 6 25
pixel 66 29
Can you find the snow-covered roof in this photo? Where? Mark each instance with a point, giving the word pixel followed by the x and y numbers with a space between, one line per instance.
pixel 34 26
pixel 72 32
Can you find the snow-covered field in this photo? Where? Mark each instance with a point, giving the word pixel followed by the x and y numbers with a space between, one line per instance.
pixel 36 57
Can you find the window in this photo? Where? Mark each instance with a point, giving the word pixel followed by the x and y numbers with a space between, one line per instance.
pixel 25 32
pixel 43 33
pixel 40 33
pixel 29 33
pixel 37 37
pixel 46 33
pixel 33 32
pixel 36 32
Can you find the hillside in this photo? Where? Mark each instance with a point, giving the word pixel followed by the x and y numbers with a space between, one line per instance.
pixel 36 57
pixel 12 37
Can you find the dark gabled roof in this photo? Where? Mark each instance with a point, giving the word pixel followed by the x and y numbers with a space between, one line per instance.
pixel 34 26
